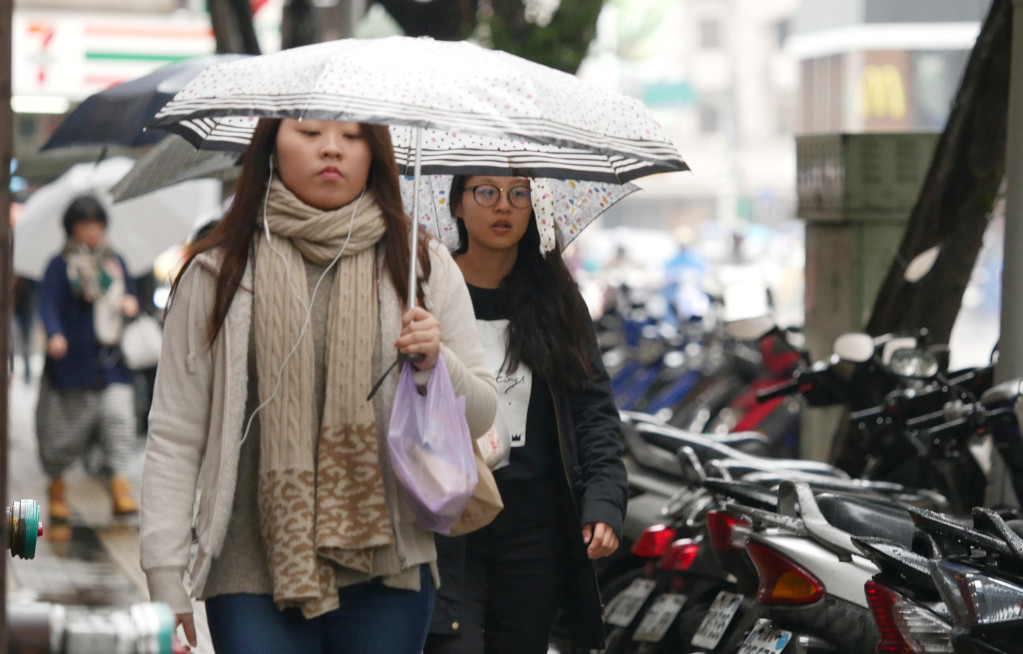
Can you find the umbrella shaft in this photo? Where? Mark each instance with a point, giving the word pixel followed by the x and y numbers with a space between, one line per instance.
pixel 415 219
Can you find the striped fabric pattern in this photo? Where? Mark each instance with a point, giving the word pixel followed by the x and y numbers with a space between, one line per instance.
pixel 544 122
pixel 448 152
pixel 66 421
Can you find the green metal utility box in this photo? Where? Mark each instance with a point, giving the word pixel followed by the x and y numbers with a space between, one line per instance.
pixel 855 192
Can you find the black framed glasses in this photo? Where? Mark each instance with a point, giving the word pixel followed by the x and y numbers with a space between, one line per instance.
pixel 487 195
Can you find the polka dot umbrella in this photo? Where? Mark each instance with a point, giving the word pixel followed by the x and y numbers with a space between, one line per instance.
pixel 561 207
pixel 479 103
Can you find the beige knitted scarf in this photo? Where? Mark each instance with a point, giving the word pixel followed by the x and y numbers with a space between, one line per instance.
pixel 321 494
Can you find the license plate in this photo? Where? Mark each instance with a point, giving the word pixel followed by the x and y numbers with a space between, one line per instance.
pixel 764 639
pixel 627 603
pixel 716 622
pixel 659 617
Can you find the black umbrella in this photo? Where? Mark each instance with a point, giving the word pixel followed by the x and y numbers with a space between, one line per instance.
pixel 118 115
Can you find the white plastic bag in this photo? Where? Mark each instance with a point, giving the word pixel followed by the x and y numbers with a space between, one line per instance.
pixel 431 449
pixel 141 342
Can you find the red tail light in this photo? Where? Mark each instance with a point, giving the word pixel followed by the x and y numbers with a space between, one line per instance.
pixel 783 581
pixel 653 542
pixel 680 555
pixel 905 627
pixel 720 527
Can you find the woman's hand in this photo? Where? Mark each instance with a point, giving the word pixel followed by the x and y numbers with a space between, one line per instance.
pixel 56 347
pixel 601 538
pixel 130 306
pixel 187 623
pixel 420 334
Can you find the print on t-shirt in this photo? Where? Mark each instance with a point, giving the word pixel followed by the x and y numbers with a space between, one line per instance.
pixel 512 389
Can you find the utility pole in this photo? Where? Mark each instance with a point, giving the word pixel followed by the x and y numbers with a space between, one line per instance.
pixel 6 275
pixel 1010 343
pixel 1010 346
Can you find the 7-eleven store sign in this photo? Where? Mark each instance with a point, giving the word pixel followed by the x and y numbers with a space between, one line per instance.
pixel 75 55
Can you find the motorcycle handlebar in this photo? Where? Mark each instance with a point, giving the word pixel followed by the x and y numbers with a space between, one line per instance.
pixel 926 419
pixel 789 387
pixel 867 414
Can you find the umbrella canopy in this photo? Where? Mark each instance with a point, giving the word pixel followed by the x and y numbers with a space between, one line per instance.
pixel 172 161
pixel 456 87
pixel 119 115
pixel 422 83
pixel 138 229
pixel 572 205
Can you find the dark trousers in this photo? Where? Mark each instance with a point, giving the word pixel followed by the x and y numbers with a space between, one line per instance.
pixel 372 619
pixel 516 574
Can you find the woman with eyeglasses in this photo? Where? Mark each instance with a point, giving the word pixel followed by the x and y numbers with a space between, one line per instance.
pixel 563 482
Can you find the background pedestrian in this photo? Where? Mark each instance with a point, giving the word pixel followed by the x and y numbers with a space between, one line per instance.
pixel 84 298
pixel 563 483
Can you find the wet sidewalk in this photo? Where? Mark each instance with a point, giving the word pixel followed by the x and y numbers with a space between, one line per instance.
pixel 98 569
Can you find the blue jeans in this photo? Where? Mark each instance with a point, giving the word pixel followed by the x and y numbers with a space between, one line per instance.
pixel 372 619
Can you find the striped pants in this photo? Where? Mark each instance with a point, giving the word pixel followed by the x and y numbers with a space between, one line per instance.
pixel 67 420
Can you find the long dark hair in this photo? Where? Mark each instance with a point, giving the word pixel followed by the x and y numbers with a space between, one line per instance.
pixel 234 232
pixel 547 328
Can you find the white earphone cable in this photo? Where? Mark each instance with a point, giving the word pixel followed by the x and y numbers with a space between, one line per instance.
pixel 309 307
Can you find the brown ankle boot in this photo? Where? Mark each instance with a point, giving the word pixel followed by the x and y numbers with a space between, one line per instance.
pixel 121 492
pixel 59 511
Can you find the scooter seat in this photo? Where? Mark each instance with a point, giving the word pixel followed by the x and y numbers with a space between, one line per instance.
pixel 671 439
pixel 861 517
pixel 747 442
pixel 1016 526
pixel 709 447
pixel 754 495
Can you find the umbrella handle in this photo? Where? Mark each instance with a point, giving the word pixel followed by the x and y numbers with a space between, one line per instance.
pixel 415 219
pixel 412 358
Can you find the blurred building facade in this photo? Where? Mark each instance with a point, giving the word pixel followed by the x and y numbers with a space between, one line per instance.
pixel 869 69
pixel 64 50
pixel 881 66
pixel 718 76
pixel 731 80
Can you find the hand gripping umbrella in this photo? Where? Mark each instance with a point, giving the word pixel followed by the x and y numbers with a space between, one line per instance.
pixel 474 94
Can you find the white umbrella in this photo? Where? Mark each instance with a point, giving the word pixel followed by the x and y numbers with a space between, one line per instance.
pixel 570 206
pixel 418 82
pixel 473 94
pixel 139 229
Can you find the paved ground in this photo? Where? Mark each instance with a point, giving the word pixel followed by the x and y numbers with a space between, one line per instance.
pixel 98 570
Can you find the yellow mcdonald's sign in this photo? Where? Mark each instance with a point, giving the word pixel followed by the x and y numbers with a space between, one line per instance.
pixel 882 93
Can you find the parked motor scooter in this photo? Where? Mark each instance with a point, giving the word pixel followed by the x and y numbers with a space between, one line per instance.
pixel 664 607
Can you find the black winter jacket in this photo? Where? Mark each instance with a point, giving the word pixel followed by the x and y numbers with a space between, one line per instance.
pixel 591 452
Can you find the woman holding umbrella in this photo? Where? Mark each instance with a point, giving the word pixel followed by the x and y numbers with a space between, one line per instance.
pixel 564 483
pixel 84 298
pixel 280 321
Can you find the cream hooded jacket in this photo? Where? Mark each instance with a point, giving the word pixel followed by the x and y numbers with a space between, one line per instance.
pixel 197 419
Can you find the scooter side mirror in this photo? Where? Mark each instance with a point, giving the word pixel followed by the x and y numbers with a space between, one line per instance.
pixel 894 345
pixel 750 329
pixel 856 347
pixel 921 264
pixel 914 363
